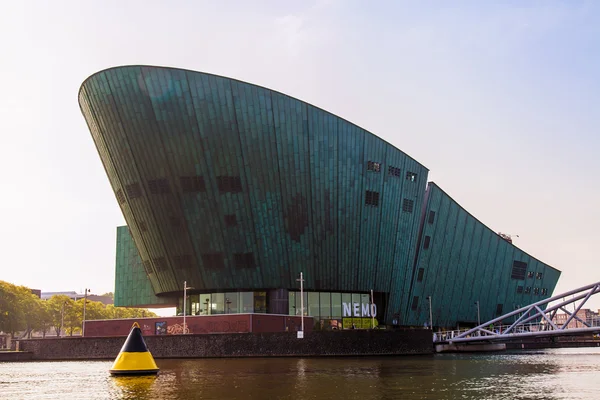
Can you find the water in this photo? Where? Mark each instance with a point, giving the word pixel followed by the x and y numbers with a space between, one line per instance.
pixel 544 374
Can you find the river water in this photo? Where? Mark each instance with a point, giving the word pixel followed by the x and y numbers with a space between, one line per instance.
pixel 542 374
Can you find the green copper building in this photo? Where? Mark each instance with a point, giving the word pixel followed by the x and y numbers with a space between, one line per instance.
pixel 236 189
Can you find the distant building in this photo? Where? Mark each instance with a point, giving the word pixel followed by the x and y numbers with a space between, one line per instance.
pixel 76 296
pixel 585 314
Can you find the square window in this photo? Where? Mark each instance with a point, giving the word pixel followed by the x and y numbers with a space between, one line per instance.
pixel 394 171
pixel 230 220
pixel 519 289
pixel 536 291
pixel 528 290
pixel 372 198
pixel 373 166
pixel 539 275
pixel 544 292
pixel 407 205
pixel 133 190
pixel 411 176
pixel 229 184
pixel 420 275
pixel 530 274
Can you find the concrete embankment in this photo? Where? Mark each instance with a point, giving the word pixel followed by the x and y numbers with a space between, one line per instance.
pixel 284 344
pixel 15 356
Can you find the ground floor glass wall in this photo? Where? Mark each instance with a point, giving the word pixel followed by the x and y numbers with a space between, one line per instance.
pixel 336 310
pixel 225 303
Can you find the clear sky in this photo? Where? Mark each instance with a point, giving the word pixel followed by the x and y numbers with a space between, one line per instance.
pixel 500 101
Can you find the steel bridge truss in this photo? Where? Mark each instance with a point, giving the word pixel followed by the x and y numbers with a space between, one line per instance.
pixel 532 320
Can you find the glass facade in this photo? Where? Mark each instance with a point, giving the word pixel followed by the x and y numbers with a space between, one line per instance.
pixel 336 310
pixel 224 303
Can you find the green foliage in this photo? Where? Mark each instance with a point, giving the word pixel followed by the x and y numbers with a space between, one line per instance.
pixel 22 311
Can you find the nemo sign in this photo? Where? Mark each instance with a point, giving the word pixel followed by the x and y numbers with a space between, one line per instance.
pixel 359 310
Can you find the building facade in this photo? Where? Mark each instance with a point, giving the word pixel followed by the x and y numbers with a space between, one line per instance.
pixel 237 189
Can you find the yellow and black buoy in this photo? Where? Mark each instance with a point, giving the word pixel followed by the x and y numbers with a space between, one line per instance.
pixel 134 357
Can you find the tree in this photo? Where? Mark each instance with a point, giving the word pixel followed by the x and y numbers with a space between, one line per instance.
pixel 57 308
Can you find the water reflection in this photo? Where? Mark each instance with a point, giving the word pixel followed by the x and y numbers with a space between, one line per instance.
pixel 551 374
pixel 133 387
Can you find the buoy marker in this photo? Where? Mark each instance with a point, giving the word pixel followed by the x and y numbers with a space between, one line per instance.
pixel 134 357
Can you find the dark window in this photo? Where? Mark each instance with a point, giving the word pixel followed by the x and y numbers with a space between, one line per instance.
pixel 539 275
pixel 431 217
pixel 426 243
pixel 528 290
pixel 230 220
pixel 499 309
pixel 373 166
pixel 415 303
pixel 244 260
pixel 372 198
pixel 536 291
pixel 160 264
pixel 159 186
pixel 120 196
pixel 143 226
pixel 148 267
pixel 544 292
pixel 183 261
pixel 229 184
pixel 175 222
pixel 411 176
pixel 213 260
pixel 530 274
pixel 191 184
pixel 394 171
pixel 133 190
pixel 519 289
pixel 420 276
pixel 518 270
pixel 407 205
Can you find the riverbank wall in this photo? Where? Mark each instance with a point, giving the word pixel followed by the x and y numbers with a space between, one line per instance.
pixel 278 344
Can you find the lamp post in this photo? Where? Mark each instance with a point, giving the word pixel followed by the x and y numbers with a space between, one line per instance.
pixel 228 302
pixel 301 279
pixel 430 314
pixel 85 292
pixel 478 318
pixel 185 288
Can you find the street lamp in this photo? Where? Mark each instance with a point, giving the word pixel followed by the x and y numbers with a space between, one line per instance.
pixel 228 302
pixel 430 314
pixel 85 292
pixel 185 288
pixel 301 279
pixel 478 318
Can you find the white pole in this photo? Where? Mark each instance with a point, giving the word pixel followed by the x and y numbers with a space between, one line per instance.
pixel 302 301
pixel 184 295
pixel 372 309
pixel 430 314
pixel 478 318
pixel 84 304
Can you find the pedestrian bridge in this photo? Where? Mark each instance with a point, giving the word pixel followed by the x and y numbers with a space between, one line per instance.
pixel 535 320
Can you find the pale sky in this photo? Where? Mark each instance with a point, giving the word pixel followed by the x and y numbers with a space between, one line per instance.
pixel 501 102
